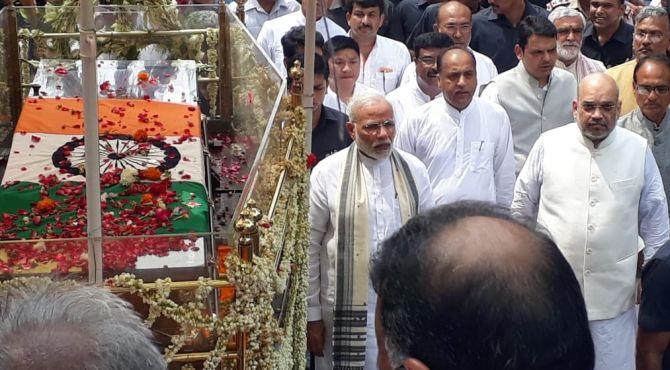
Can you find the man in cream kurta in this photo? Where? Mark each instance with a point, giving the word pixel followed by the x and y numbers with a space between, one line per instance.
pixel 596 189
pixel 464 141
pixel 384 218
pixel 651 36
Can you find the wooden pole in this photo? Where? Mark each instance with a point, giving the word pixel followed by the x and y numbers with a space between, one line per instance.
pixel 13 64
pixel 225 103
pixel 87 51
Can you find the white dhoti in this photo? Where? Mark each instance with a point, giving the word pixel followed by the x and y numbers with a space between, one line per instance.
pixel 614 341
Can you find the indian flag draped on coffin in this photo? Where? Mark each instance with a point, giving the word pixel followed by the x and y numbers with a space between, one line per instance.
pixel 151 165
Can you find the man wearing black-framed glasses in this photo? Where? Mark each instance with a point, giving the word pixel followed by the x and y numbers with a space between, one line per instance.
pixel 651 84
pixel 651 36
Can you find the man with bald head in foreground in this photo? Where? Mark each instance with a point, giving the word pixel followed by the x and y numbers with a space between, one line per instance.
pixel 596 189
pixel 465 286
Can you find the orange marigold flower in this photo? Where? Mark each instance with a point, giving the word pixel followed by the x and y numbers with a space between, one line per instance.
pixel 143 76
pixel 46 204
pixel 140 135
pixel 147 198
pixel 151 174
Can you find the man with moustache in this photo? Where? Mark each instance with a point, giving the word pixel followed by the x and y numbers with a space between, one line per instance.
pixel 595 188
pixel 412 95
pixel 464 141
pixel 455 20
pixel 343 57
pixel 569 28
pixel 383 60
pixel 537 96
pixel 358 197
pixel 651 36
pixel 651 120
pixel 607 38
pixel 269 37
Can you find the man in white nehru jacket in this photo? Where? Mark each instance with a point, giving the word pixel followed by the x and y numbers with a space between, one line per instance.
pixel 595 188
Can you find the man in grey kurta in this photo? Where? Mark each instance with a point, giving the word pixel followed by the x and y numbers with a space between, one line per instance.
pixel 536 96
pixel 651 85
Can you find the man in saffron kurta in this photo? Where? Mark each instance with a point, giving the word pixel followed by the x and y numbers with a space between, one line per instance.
pixel 358 197
pixel 596 189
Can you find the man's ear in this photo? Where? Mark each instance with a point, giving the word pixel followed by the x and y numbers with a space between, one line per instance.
pixel 414 364
pixel 518 51
pixel 350 129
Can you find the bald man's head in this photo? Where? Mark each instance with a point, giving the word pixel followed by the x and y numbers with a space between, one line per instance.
pixel 465 286
pixel 455 20
pixel 598 82
pixel 597 107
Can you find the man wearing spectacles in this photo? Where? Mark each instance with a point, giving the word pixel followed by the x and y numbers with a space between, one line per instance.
pixel 651 82
pixel 358 197
pixel 424 88
pixel 464 141
pixel 454 19
pixel 569 24
pixel 595 188
pixel 651 36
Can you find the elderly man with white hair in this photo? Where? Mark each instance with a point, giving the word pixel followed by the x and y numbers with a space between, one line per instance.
pixel 359 196
pixel 570 25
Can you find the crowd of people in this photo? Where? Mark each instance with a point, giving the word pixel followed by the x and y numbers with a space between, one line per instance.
pixel 491 185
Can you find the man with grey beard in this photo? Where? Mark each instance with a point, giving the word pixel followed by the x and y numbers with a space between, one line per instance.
pixel 358 197
pixel 570 29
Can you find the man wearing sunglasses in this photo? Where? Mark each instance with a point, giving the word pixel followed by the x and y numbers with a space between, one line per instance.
pixel 651 82
pixel 595 188
pixel 358 197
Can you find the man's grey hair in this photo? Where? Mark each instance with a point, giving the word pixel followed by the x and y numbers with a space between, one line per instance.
pixel 361 100
pixel 48 324
pixel 650 11
pixel 565 12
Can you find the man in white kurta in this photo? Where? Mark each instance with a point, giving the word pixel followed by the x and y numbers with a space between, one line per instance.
pixel 335 102
pixel 269 37
pixel 256 12
pixel 535 95
pixel 595 188
pixel 383 60
pixel 424 88
pixel 384 218
pixel 455 20
pixel 464 141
